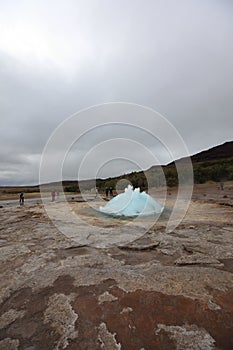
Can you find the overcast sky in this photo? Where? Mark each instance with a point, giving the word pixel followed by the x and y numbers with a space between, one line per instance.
pixel 57 57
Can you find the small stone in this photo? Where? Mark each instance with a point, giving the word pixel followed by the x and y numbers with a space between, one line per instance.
pixel 105 297
pixel 9 317
pixel 9 344
pixel 126 310
pixel 197 259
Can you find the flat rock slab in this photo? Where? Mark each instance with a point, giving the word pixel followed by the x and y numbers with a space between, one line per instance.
pixel 160 291
pixel 198 259
pixel 104 316
pixel 140 246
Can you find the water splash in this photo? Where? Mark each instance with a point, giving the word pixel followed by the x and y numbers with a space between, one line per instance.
pixel 132 203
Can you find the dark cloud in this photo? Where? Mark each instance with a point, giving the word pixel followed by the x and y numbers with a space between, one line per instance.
pixel 58 57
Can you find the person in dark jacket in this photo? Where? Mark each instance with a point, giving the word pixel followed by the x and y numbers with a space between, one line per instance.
pixel 111 192
pixel 21 198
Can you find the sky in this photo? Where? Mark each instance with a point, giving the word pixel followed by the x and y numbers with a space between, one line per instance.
pixel 58 57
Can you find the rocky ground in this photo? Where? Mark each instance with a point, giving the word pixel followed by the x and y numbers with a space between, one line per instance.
pixel 79 289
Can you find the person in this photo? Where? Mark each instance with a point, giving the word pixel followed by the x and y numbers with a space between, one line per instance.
pixel 106 191
pixel 96 192
pixel 53 194
pixel 222 185
pixel 21 198
pixel 111 191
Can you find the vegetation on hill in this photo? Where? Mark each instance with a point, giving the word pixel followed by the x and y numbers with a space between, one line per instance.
pixel 215 164
pixel 213 170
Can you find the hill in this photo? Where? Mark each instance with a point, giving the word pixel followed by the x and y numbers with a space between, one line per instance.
pixel 214 164
pixel 215 153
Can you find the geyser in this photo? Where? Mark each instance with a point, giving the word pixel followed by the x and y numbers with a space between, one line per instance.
pixel 132 203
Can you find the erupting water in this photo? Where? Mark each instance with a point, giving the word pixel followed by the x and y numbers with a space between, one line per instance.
pixel 132 203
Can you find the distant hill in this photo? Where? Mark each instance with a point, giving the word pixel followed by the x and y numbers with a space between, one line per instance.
pixel 219 152
pixel 215 153
pixel 214 164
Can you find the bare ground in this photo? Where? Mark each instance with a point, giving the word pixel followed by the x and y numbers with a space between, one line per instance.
pixel 87 290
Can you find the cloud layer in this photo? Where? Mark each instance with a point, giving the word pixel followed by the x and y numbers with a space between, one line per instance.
pixel 58 57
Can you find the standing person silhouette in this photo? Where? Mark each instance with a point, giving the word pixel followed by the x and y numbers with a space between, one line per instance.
pixel 21 198
pixel 106 191
pixel 53 194
pixel 111 191
pixel 96 192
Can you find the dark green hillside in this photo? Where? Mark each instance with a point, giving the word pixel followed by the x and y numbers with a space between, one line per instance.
pixel 213 170
pixel 219 152
pixel 215 164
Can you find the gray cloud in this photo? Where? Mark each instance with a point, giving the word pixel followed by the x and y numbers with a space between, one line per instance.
pixel 58 57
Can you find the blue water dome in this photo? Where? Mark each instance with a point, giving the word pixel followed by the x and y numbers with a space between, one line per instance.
pixel 132 203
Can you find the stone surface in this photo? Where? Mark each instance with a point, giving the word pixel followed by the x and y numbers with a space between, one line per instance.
pixel 60 316
pixel 10 316
pixel 198 259
pixel 159 291
pixel 106 296
pixel 107 340
pixel 188 337
pixel 9 344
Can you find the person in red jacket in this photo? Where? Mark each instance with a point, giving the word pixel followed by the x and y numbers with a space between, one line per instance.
pixel 53 194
